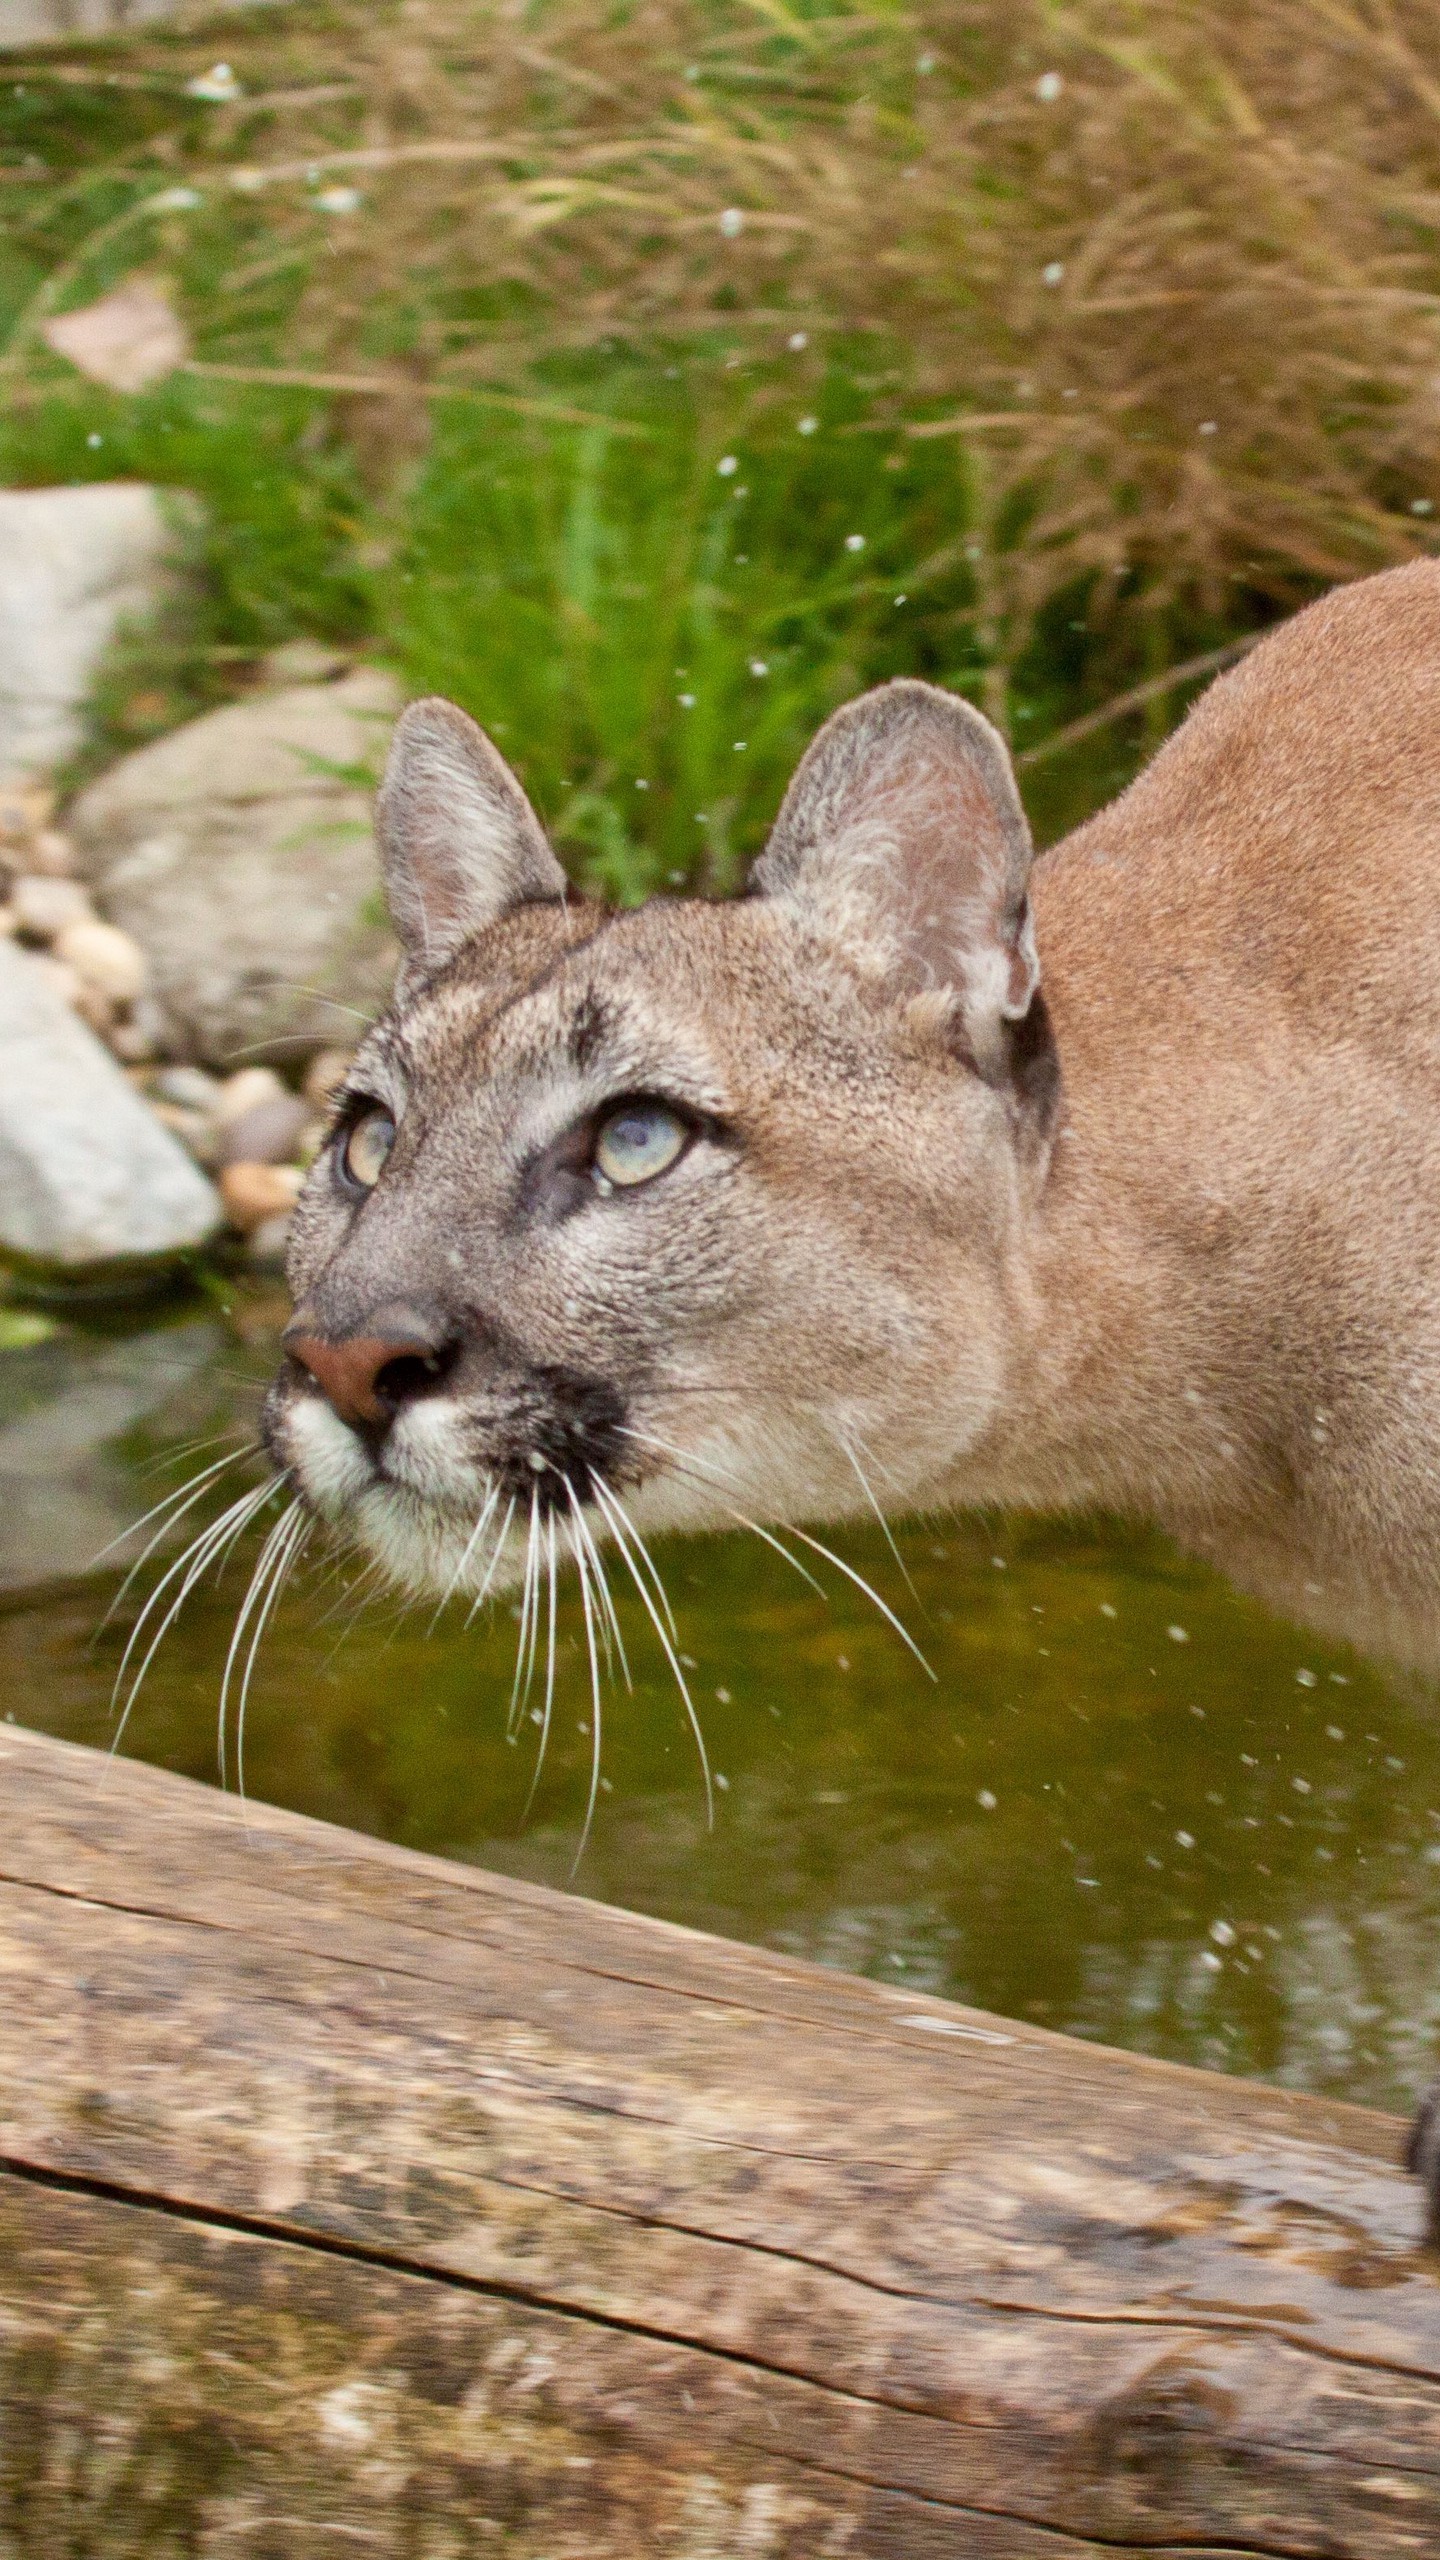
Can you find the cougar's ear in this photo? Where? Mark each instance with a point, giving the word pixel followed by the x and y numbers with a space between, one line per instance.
pixel 460 844
pixel 902 838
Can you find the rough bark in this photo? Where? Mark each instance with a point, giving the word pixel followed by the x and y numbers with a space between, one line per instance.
pixel 351 2200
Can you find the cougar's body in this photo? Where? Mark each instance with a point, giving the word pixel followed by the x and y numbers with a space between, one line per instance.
pixel 1124 1192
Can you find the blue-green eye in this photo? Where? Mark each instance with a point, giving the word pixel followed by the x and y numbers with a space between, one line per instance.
pixel 639 1140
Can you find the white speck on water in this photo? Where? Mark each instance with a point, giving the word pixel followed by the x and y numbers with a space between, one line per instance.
pixel 843 1661
pixel 1341 1679
pixel 687 703
pixel 175 200
pixel 1301 1786
pixel 854 541
pixel 740 745
pixel 759 666
pixel 807 426
pixel 797 341
pixel 94 441
pixel 339 200
pixel 607 1786
pixel 1054 273
pixel 722 1782
pixel 1422 506
pixel 999 1563
pixel 640 783
pixel 985 1800
pixel 1108 1609
pixel 1307 1680
pixel 1184 1839
pixel 1222 1933
pixel 1209 427
pixel 1335 1732
pixel 1048 87
pixel 689 1662
pixel 902 599
pixel 1392 1763
pixel 1210 1960
pixel 728 464
pixel 1178 1635
pixel 732 222
pixel 724 1697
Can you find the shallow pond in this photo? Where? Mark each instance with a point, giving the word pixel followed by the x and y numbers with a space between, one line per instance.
pixel 1131 1805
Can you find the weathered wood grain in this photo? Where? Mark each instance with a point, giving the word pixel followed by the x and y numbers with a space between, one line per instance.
pixel 350 2200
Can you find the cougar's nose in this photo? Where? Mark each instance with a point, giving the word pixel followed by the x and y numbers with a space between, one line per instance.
pixel 369 1376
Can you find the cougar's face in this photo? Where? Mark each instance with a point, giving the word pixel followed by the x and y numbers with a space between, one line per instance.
pixel 681 1216
pixel 622 1210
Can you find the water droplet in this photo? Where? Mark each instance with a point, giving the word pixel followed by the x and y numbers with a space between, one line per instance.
pixel 1108 1609
pixel 986 1801
pixel 759 666
pixel 732 222
pixel 807 426
pixel 1054 273
pixel 1301 1786
pixel 1184 1839
pixel 854 541
pixel 1178 1635
pixel 1307 1680
pixel 687 703
pixel 727 465
pixel 797 341
pixel 1048 87
pixel 1222 1933
pixel 1209 427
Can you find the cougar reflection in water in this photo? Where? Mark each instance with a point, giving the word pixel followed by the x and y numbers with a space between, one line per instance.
pixel 923 1174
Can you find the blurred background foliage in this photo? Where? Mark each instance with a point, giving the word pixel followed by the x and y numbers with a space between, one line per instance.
pixel 651 376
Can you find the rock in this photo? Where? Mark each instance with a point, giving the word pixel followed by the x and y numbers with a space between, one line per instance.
pixel 266 1244
pixel 270 1134
pixel 238 852
pixel 74 564
pixel 50 853
pixel 25 807
pixel 26 22
pixel 127 340
pixel 325 1075
pixel 245 1091
pixel 87 1174
pixel 106 958
pixel 303 662
pixel 254 1192
pixel 195 1130
pixel 191 1088
pixel 132 1042
pixel 45 907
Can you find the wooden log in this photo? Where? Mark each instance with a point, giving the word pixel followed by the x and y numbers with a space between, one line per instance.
pixel 351 2200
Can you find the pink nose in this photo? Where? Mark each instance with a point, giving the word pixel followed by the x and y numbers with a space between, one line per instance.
pixel 368 1376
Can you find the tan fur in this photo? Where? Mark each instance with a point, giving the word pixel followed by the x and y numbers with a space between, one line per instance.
pixel 1207 1291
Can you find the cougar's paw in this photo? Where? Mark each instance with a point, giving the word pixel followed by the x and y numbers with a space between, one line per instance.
pixel 1422 2157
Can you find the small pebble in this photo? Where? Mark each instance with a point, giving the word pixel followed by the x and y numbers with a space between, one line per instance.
pixel 51 854
pixel 194 1129
pixel 190 1087
pixel 265 1246
pixel 106 958
pixel 25 808
pixel 132 1042
pixel 254 1192
pixel 268 1133
pixel 246 1090
pixel 325 1074
pixel 45 907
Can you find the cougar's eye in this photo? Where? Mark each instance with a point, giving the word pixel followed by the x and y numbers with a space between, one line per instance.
pixel 637 1141
pixel 366 1147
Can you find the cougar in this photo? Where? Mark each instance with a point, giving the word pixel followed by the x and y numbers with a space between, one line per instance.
pixel 925 1173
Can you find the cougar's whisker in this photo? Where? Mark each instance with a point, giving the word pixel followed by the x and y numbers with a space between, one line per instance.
pixel 578 1550
pixel 520 1689
pixel 886 1531
pixel 176 1504
pixel 254 1593
pixel 661 1594
pixel 545 1720
pixel 496 1553
pixel 187 1569
pixel 702 1474
pixel 620 1522
pixel 296 1528
pixel 607 1603
pixel 452 1586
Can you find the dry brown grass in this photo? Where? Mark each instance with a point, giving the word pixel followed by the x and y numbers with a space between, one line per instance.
pixel 1226 392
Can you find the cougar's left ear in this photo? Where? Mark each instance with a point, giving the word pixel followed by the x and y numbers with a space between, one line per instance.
pixel 460 844
pixel 902 838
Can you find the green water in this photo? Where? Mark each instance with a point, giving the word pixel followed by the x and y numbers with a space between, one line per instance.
pixel 1132 1806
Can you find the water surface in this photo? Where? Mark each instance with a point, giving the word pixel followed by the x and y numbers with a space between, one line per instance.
pixel 1133 1805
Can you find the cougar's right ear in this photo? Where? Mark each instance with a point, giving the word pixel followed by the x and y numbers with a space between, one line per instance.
pixel 460 844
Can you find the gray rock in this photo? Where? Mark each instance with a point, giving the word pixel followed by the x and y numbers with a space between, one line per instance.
pixel 238 852
pixel 74 565
pixel 88 1176
pixel 267 1135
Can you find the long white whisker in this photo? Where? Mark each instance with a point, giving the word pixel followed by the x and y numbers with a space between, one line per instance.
pixel 187 1569
pixel 578 1550
pixel 807 1541
pixel 886 1531
pixel 185 1496
pixel 496 1553
pixel 476 1534
pixel 299 1524
pixel 529 1598
pixel 620 1521
pixel 549 1663
pixel 697 1468
pixel 661 1594
pixel 607 1603
pixel 253 1596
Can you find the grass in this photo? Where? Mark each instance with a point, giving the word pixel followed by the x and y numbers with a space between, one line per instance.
pixel 1097 333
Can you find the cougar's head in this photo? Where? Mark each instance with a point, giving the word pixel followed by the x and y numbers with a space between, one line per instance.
pixel 704 1209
